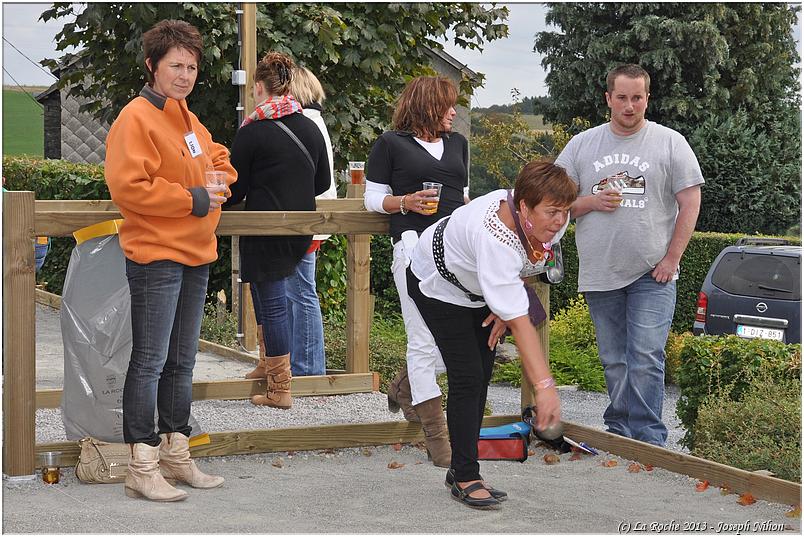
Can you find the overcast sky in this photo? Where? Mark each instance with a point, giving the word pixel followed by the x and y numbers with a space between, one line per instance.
pixel 507 63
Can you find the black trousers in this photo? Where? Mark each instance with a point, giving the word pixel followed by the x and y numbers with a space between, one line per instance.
pixel 463 343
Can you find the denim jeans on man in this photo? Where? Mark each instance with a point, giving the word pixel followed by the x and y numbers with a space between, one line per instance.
pixel 167 304
pixel 632 324
pixel 304 317
pixel 271 309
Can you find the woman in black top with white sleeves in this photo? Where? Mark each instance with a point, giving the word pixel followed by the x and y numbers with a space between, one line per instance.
pixel 422 147
pixel 274 173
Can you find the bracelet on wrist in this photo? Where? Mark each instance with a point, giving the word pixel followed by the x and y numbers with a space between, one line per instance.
pixel 402 208
pixel 545 383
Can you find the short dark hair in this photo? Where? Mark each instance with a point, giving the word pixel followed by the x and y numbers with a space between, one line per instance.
pixel 541 179
pixel 631 70
pixel 423 104
pixel 165 35
pixel 275 71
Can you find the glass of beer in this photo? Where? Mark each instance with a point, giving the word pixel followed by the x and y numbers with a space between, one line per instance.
pixel 432 203
pixel 357 172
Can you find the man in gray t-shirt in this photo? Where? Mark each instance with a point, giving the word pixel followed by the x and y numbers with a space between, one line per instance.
pixel 639 197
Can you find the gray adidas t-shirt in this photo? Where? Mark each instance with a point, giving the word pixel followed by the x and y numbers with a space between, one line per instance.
pixel 654 164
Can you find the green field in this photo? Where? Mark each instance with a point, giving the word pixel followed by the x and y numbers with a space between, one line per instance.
pixel 23 124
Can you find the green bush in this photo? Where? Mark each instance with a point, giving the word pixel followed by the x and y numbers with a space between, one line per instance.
pixel 753 174
pixel 330 278
pixel 712 363
pixel 760 430
pixel 672 350
pixel 573 351
pixel 387 346
pixel 573 325
pixel 219 325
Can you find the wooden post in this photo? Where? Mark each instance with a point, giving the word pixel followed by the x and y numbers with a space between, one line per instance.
pixel 249 64
pixel 528 396
pixel 19 335
pixel 358 260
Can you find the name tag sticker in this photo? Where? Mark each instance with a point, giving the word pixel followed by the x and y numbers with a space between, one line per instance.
pixel 192 144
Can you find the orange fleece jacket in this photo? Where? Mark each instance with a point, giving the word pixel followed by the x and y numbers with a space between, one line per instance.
pixel 149 171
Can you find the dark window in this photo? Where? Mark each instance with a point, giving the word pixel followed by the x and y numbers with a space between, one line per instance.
pixel 759 275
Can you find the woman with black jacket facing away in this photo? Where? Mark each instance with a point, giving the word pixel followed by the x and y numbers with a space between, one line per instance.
pixel 276 173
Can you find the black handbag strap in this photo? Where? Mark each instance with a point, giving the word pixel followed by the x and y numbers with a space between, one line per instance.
pixel 278 123
pixel 438 257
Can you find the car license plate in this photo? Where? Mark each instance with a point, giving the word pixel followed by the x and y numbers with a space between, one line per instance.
pixel 752 332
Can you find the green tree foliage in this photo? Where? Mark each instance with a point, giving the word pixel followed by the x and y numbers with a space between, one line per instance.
pixel 753 176
pixel 363 53
pixel 704 59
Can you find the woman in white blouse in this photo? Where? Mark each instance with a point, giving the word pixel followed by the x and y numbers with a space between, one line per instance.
pixel 465 277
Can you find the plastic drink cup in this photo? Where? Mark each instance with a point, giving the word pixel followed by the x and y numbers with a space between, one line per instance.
pixel 50 470
pixel 215 178
pixel 432 203
pixel 357 172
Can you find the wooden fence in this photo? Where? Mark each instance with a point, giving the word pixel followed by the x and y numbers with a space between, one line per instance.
pixel 24 219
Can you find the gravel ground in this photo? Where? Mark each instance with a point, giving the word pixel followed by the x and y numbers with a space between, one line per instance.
pixel 358 490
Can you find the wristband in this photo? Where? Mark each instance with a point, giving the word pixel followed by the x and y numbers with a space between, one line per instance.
pixel 402 208
pixel 545 383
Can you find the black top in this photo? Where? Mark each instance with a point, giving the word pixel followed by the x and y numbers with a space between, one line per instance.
pixel 274 175
pixel 401 162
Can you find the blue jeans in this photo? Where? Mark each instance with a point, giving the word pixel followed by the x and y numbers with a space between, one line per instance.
pixel 304 318
pixel 632 324
pixel 167 304
pixel 40 252
pixel 271 309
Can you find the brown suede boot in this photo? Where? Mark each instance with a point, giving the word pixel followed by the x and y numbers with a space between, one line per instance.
pixel 436 434
pixel 176 464
pixel 143 479
pixel 259 371
pixel 399 396
pixel 278 377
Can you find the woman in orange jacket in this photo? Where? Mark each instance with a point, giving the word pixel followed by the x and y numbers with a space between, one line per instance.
pixel 157 156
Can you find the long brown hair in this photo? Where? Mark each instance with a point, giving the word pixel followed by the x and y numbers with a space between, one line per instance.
pixel 423 104
pixel 275 71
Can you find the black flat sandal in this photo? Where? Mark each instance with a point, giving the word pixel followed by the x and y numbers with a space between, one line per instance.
pixel 462 495
pixel 499 495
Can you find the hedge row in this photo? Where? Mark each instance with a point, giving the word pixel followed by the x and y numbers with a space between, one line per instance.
pixel 711 365
pixel 702 250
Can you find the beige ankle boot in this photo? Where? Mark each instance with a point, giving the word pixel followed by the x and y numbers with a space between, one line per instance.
pixel 259 371
pixel 278 377
pixel 143 479
pixel 399 395
pixel 436 434
pixel 176 464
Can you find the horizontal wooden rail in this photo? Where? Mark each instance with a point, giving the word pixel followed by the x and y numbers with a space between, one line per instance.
pixel 288 439
pixel 244 389
pixel 737 480
pixel 63 224
pixel 340 204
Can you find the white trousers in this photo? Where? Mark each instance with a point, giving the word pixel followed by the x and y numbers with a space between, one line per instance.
pixel 423 357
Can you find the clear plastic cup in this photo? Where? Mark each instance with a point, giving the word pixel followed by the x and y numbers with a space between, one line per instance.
pixel 432 203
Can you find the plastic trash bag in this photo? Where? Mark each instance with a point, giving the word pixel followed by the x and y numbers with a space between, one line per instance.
pixel 96 331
